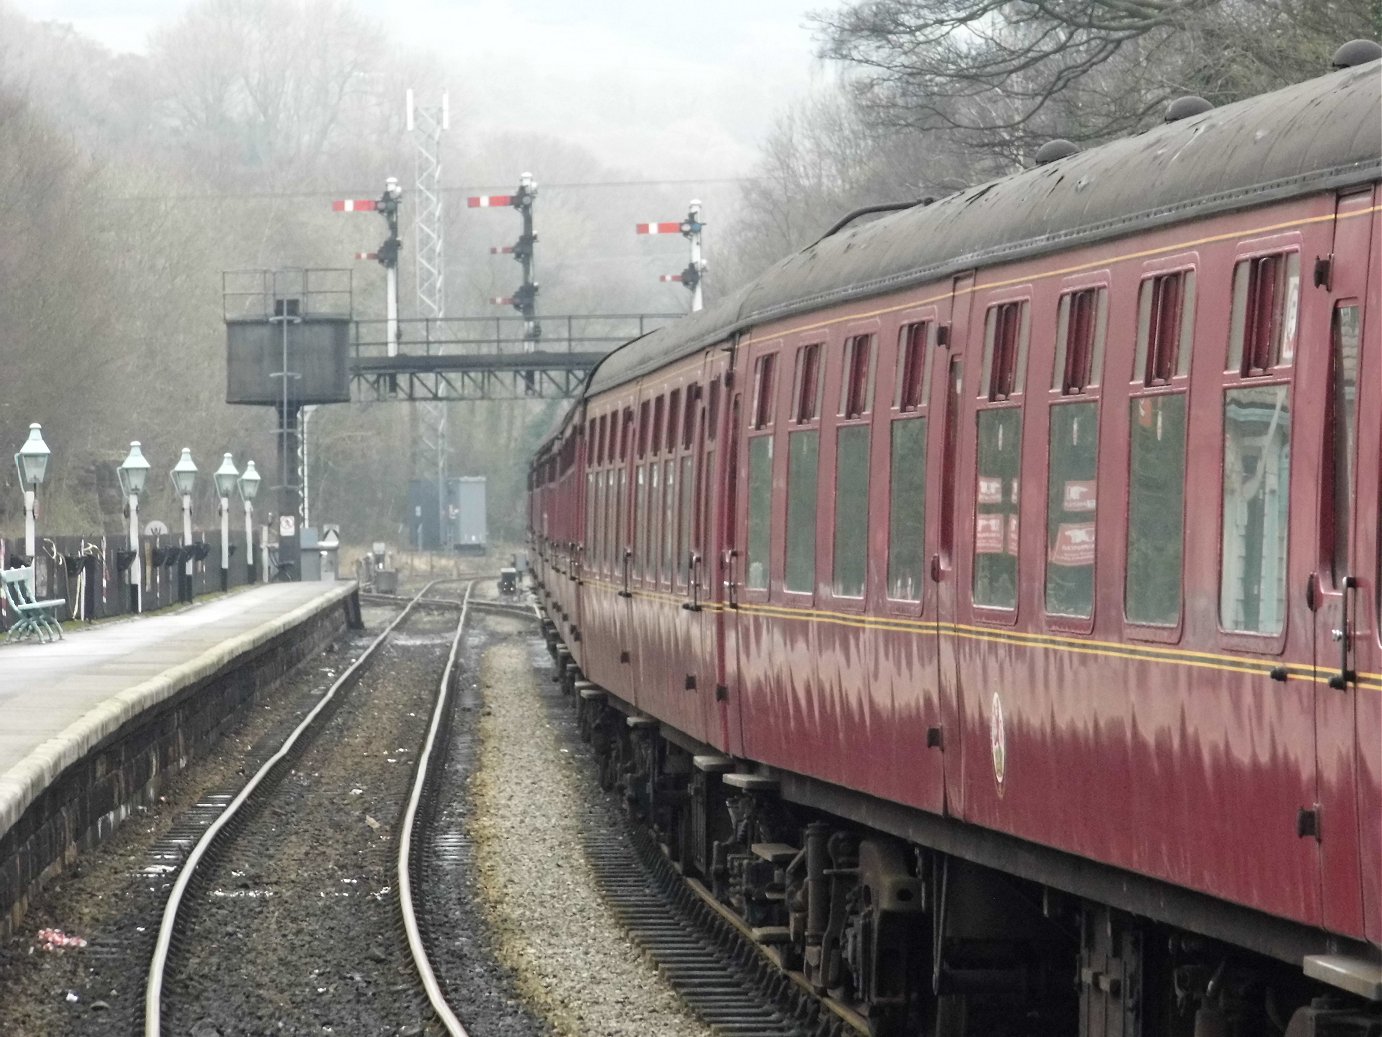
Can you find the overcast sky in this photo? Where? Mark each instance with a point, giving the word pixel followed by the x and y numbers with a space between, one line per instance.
pixel 647 90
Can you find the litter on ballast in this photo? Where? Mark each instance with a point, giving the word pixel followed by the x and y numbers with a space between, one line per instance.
pixel 57 940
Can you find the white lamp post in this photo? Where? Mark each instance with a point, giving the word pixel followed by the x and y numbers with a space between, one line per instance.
pixel 226 477
pixel 184 476
pixel 32 464
pixel 249 487
pixel 133 473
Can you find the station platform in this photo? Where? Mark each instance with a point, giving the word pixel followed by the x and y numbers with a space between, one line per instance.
pixel 89 724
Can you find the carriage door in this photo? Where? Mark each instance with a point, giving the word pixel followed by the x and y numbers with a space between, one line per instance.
pixel 1343 615
pixel 948 399
pixel 717 567
pixel 712 535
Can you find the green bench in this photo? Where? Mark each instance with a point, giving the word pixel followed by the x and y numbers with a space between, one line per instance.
pixel 32 618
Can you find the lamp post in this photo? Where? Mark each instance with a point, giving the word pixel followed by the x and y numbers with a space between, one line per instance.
pixel 133 472
pixel 249 487
pixel 226 477
pixel 184 476
pixel 32 464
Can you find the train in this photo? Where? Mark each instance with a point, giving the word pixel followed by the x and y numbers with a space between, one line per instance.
pixel 983 602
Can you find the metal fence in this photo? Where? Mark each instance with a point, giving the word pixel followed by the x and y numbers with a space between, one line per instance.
pixel 506 335
pixel 93 574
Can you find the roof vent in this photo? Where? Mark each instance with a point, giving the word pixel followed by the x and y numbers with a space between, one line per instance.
pixel 1184 107
pixel 1356 52
pixel 1054 150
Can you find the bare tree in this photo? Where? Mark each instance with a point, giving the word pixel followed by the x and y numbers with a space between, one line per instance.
pixel 1002 77
pixel 266 88
pixel 824 157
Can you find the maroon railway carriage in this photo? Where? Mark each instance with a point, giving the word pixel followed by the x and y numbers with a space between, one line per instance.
pixel 985 600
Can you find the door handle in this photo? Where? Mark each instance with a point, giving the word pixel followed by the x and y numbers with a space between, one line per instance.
pixel 1343 635
pixel 693 582
pixel 727 562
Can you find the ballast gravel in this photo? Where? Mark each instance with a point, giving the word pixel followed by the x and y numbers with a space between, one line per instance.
pixel 568 952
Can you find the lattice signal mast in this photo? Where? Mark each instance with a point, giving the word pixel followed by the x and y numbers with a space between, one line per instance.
pixel 690 229
pixel 524 299
pixel 386 205
pixel 428 123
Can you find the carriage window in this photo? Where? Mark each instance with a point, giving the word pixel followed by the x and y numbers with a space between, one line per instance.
pixel 1262 328
pixel 1344 421
pixel 684 526
pixel 645 426
pixel 706 531
pixel 1165 326
pixel 652 520
pixel 688 421
pixel 1156 509
pixel 995 520
pixel 763 392
pixel 1080 328
pixel 1005 349
pixel 588 536
pixel 807 397
pixel 856 388
pixel 1071 503
pixel 673 410
pixel 760 504
pixel 621 506
pixel 640 521
pixel 613 509
pixel 907 510
pixel 913 367
pixel 851 511
pixel 669 516
pixel 659 406
pixel 595 484
pixel 803 449
pixel 1257 483
pixel 712 411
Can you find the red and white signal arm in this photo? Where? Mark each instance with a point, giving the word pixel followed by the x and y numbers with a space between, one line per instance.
pixel 669 277
pixel 488 201
pixel 658 228
pixel 354 205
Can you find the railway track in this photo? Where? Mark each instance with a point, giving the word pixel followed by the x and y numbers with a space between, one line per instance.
pixel 706 955
pixel 234 862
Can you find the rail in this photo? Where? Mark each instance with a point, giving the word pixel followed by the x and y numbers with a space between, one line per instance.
pixel 212 837
pixel 405 843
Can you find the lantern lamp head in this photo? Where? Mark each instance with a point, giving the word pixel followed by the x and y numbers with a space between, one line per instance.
pixel 133 470
pixel 249 482
pixel 184 473
pixel 226 477
pixel 32 459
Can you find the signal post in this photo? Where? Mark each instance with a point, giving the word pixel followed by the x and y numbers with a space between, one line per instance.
pixel 387 254
pixel 689 228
